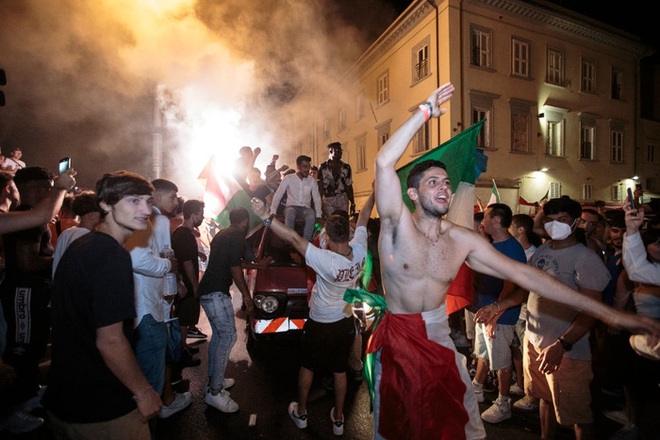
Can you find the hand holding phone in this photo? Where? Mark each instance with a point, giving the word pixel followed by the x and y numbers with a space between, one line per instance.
pixel 65 164
pixel 632 199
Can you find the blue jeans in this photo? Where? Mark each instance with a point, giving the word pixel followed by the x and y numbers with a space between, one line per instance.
pixel 291 213
pixel 220 313
pixel 150 346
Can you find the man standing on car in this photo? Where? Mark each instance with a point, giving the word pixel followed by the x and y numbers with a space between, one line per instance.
pixel 330 330
pixel 224 268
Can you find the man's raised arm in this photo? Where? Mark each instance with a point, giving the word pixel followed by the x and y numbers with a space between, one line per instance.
pixel 389 199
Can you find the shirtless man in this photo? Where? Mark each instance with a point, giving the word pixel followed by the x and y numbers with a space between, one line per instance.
pixel 420 255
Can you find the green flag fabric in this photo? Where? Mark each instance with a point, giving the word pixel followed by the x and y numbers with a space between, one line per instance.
pixel 464 161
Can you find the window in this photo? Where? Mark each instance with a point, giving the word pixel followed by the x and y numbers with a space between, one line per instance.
pixel 478 114
pixel 383 88
pixel 482 108
pixel 342 119
pixel 586 141
pixel 420 62
pixel 617 84
pixel 521 126
pixel 326 129
pixel 422 139
pixel 616 146
pixel 588 75
pixel 586 191
pixel 520 57
pixel 650 153
pixel 361 155
pixel 617 191
pixel 361 105
pixel 480 47
pixel 383 133
pixel 555 138
pixel 555 190
pixel 555 67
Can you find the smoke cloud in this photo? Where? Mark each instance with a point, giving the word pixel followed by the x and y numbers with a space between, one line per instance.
pixel 83 77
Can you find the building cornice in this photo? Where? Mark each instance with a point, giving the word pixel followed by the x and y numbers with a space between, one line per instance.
pixel 570 22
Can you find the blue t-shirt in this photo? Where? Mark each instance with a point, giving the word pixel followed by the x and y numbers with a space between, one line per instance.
pixel 487 288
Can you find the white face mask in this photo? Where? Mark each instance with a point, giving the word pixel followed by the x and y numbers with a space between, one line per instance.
pixel 558 230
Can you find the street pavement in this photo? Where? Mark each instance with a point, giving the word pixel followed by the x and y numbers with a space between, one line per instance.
pixel 266 381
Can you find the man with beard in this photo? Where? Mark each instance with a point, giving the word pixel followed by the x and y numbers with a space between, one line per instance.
pixel 422 386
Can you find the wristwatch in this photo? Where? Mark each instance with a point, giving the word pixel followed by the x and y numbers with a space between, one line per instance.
pixel 269 220
pixel 567 346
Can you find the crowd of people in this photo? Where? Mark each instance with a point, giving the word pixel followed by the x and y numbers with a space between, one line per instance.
pixel 118 289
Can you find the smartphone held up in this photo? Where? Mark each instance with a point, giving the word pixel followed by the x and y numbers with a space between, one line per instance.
pixel 631 198
pixel 65 164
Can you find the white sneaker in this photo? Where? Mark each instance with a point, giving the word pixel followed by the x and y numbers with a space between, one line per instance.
pixel 515 390
pixel 221 401
pixel 499 411
pixel 337 425
pixel 180 402
pixel 478 391
pixel 35 401
pixel 299 420
pixel 526 404
pixel 228 383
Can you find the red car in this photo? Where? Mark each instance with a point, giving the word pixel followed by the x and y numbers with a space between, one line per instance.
pixel 278 286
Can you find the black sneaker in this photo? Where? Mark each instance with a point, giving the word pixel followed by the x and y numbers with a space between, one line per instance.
pixel 490 386
pixel 195 333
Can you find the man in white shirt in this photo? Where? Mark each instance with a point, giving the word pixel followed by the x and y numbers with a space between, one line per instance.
pixel 300 189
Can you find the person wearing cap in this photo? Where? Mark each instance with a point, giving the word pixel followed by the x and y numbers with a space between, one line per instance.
pixel 336 182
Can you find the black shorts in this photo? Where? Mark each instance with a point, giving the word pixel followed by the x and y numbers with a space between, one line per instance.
pixel 187 310
pixel 326 346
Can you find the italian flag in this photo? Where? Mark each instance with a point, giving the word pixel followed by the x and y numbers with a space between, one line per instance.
pixel 223 193
pixel 465 163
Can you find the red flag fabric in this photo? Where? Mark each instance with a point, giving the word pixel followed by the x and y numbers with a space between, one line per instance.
pixel 461 292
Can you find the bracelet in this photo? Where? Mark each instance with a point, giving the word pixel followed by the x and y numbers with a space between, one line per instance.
pixel 498 307
pixel 427 109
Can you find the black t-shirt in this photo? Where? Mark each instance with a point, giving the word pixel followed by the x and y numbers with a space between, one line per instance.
pixel 227 250
pixel 184 244
pixel 93 288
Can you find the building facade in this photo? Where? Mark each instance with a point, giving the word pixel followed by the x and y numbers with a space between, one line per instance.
pixel 559 91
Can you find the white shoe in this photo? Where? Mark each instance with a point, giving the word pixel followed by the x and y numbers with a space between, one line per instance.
pixel 35 401
pixel 499 411
pixel 526 404
pixel 478 391
pixel 180 402
pixel 515 390
pixel 299 420
pixel 228 383
pixel 337 425
pixel 221 401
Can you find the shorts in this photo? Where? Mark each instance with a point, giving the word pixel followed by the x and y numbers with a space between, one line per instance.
pixel 187 310
pixel 496 351
pixel 326 346
pixel 568 388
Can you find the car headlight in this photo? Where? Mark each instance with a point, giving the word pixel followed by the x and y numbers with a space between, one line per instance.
pixel 267 303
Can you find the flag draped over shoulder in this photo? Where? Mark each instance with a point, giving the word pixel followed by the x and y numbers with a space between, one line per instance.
pixel 223 193
pixel 465 163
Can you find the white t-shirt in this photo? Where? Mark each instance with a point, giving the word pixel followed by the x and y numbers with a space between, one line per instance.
pixel 334 274
pixel 64 240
